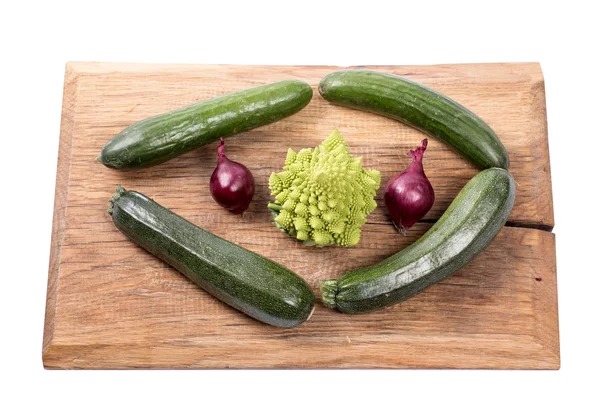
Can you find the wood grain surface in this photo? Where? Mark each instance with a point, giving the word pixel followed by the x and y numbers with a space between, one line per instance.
pixel 112 305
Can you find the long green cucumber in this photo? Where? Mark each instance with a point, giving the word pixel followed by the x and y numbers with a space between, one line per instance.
pixel 245 280
pixel 469 224
pixel 420 107
pixel 160 138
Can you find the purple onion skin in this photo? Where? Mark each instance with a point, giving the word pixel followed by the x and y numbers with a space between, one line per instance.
pixel 231 184
pixel 409 195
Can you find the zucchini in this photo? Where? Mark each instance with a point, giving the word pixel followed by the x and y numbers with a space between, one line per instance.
pixel 158 139
pixel 245 280
pixel 420 107
pixel 469 224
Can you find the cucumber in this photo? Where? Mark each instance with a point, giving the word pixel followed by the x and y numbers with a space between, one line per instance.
pixel 420 107
pixel 245 280
pixel 158 139
pixel 469 224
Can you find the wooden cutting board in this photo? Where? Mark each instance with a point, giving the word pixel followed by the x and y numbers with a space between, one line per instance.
pixel 112 305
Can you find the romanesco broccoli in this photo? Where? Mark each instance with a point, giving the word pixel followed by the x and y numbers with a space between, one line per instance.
pixel 323 196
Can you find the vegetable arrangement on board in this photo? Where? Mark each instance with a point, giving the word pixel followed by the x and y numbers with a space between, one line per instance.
pixel 322 197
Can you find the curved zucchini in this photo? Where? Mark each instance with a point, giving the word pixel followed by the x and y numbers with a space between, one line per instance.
pixel 158 139
pixel 420 107
pixel 465 229
pixel 245 280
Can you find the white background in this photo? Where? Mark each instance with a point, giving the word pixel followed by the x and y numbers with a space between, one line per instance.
pixel 37 39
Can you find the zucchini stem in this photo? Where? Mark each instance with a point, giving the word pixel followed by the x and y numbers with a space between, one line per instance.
pixel 329 290
pixel 118 193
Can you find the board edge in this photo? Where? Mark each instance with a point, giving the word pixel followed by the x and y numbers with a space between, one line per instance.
pixel 60 200
pixel 103 67
pixel 546 329
pixel 539 107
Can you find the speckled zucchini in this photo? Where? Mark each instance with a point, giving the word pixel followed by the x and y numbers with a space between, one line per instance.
pixel 245 280
pixel 463 231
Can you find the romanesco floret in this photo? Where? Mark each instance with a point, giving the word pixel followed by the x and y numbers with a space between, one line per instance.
pixel 323 196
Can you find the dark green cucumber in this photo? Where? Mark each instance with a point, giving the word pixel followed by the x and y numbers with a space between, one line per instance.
pixel 245 280
pixel 420 107
pixel 465 229
pixel 158 139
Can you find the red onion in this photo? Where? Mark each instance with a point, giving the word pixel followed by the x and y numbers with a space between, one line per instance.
pixel 409 195
pixel 231 184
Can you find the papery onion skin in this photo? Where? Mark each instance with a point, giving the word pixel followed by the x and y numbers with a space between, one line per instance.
pixel 409 195
pixel 231 183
